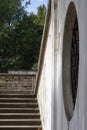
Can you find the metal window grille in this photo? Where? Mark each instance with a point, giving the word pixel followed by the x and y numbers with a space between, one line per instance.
pixel 74 60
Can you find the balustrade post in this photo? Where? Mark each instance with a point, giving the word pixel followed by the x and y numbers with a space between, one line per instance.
pixel 12 81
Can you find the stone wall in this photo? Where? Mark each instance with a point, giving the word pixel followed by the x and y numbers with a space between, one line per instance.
pixel 17 82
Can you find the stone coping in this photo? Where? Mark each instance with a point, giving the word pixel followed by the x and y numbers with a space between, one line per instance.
pixel 7 74
pixel 43 45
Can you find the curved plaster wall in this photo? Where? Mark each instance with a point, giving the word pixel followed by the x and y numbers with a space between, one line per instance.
pixel 50 87
pixel 77 119
pixel 70 60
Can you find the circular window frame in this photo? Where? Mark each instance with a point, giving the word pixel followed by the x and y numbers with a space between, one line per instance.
pixel 71 16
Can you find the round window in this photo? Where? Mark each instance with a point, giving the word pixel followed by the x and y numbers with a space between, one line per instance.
pixel 70 63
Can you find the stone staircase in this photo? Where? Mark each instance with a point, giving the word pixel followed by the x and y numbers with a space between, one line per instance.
pixel 19 111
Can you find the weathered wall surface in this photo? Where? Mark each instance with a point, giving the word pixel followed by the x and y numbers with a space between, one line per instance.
pixel 45 85
pixel 79 118
pixel 50 94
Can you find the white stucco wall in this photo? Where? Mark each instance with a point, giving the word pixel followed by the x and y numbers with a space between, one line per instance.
pixel 45 85
pixel 50 94
pixel 79 119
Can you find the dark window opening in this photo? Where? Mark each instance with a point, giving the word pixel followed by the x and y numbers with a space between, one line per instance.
pixel 74 60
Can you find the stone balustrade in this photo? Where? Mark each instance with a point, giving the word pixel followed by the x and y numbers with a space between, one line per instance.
pixel 17 82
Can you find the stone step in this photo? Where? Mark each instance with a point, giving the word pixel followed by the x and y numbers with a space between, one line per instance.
pixel 19 116
pixel 11 95
pixel 26 100
pixel 14 127
pixel 17 91
pixel 18 105
pixel 7 122
pixel 19 110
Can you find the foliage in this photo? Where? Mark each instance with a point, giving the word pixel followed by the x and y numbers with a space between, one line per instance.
pixel 41 15
pixel 20 35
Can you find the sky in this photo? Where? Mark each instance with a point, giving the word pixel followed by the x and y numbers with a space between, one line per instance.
pixel 34 4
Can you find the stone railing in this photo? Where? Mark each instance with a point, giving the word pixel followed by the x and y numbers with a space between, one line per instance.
pixel 17 82
pixel 43 45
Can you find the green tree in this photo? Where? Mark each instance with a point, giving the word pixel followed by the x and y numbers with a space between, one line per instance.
pixel 40 15
pixel 20 38
pixel 27 35
pixel 11 12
